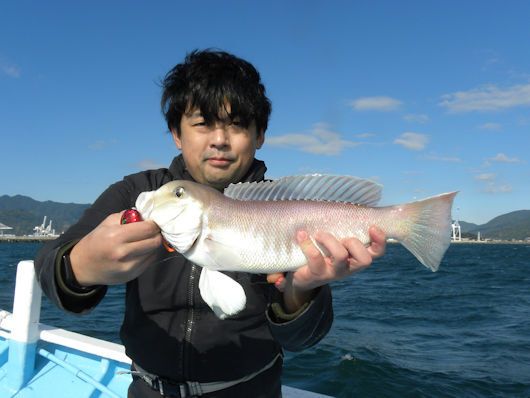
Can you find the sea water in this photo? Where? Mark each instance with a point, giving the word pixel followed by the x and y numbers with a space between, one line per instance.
pixel 400 330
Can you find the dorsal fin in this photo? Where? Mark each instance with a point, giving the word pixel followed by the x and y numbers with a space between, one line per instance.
pixel 309 187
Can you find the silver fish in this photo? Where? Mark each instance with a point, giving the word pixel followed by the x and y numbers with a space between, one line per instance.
pixel 252 226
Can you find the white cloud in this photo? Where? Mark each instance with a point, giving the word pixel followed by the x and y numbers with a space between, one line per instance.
pixel 491 185
pixel 490 126
pixel 365 135
pixel 381 103
pixel 102 144
pixel 413 172
pixel 412 141
pixel 148 164
pixel 416 118
pixel 487 98
pixel 450 159
pixel 486 177
pixel 523 121
pixel 490 58
pixel 10 70
pixel 320 141
pixel 502 158
pixel 498 188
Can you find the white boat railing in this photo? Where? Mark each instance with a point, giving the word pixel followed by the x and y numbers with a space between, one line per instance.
pixel 24 326
pixel 23 330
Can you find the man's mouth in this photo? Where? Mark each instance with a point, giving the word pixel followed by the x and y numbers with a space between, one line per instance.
pixel 219 161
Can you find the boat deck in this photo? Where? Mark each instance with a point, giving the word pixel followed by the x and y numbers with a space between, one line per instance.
pixel 65 372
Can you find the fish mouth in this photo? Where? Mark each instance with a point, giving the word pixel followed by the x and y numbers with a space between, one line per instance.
pixel 145 204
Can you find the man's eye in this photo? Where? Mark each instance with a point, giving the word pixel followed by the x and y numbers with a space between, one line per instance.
pixel 201 123
pixel 236 124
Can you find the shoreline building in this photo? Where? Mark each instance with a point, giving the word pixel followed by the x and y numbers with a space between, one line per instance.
pixel 3 228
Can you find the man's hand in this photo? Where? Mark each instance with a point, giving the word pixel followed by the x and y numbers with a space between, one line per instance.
pixel 114 253
pixel 345 258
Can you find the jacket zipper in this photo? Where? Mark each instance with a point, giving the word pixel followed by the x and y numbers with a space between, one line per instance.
pixel 190 323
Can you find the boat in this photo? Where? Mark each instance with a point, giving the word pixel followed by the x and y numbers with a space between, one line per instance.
pixel 38 360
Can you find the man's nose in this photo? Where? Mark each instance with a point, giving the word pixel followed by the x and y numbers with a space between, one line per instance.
pixel 220 136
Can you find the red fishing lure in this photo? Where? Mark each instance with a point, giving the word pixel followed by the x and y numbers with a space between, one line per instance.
pixel 130 215
pixel 133 215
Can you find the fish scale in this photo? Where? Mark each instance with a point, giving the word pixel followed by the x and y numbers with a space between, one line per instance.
pixel 267 245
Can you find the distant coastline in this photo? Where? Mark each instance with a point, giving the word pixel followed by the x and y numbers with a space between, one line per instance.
pixel 25 238
pixel 493 242
pixel 480 242
pixel 30 238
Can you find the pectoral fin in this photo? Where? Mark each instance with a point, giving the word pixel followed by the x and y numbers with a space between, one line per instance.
pixel 223 295
pixel 222 255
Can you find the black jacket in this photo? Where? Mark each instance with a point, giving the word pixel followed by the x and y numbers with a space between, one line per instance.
pixel 168 329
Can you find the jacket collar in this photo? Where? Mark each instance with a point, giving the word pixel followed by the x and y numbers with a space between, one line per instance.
pixel 178 170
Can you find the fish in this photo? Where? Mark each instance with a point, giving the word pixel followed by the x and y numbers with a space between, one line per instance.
pixel 252 226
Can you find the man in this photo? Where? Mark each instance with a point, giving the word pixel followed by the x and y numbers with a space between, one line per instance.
pixel 217 112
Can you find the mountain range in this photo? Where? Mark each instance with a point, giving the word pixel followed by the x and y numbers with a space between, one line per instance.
pixel 513 225
pixel 23 213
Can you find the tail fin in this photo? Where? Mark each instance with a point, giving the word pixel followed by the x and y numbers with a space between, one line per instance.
pixel 430 233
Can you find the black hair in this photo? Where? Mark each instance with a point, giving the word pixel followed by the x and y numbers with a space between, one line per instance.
pixel 208 80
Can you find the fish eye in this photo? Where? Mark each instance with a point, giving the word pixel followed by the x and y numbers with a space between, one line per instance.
pixel 179 192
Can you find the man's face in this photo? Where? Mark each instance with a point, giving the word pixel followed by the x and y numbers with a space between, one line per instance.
pixel 219 154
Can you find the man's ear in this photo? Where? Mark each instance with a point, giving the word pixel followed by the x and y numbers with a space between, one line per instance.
pixel 260 139
pixel 176 138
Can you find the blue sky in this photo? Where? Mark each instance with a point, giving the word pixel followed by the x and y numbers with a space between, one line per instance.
pixel 423 97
